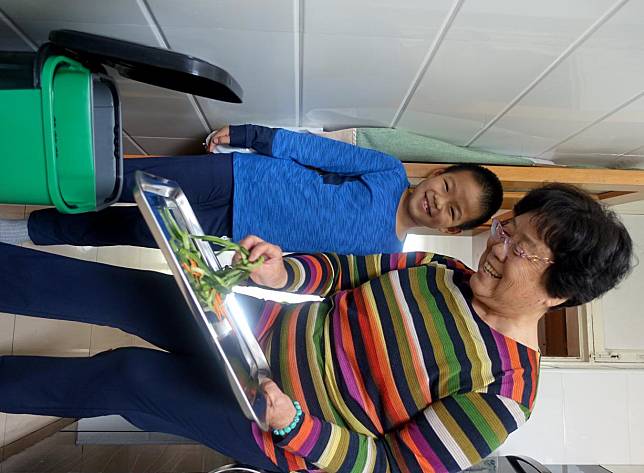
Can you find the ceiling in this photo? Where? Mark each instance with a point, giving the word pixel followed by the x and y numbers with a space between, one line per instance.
pixel 561 80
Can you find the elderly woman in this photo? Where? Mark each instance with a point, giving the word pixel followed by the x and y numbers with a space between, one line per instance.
pixel 412 362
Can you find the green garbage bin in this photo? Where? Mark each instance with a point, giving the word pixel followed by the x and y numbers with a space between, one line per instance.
pixel 60 139
pixel 60 142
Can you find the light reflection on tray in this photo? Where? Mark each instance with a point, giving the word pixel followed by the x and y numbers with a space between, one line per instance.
pixel 230 337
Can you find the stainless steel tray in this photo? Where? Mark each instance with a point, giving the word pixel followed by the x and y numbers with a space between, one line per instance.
pixel 231 338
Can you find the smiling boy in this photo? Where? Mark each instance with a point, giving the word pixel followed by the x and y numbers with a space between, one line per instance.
pixel 301 191
pixel 452 199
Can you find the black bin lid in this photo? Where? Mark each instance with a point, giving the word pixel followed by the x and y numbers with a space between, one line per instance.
pixel 155 66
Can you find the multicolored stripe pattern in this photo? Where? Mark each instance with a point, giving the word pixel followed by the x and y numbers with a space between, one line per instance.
pixel 394 370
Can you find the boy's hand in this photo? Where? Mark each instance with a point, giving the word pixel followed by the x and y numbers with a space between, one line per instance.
pixel 272 273
pixel 220 137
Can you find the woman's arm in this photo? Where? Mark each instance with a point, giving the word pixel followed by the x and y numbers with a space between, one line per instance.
pixel 448 436
pixel 312 150
pixel 326 273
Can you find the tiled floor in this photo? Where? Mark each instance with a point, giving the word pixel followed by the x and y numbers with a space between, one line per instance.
pixel 33 336
pixel 61 453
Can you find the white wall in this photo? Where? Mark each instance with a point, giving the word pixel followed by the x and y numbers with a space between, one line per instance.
pixel 479 243
pixel 457 246
pixel 587 416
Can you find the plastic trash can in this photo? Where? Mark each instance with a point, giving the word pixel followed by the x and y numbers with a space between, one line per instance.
pixel 61 133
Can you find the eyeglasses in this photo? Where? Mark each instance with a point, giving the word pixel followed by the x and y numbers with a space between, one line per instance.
pixel 497 232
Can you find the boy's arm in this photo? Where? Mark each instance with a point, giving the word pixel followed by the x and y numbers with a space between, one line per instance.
pixel 312 150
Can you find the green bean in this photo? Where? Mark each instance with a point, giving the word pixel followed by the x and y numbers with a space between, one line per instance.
pixel 203 278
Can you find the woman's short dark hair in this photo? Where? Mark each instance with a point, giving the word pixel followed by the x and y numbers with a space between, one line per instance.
pixel 491 192
pixel 591 248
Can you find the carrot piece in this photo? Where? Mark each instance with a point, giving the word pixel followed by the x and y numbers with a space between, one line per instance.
pixel 218 306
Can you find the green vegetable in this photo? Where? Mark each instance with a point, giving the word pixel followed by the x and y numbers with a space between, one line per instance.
pixel 210 285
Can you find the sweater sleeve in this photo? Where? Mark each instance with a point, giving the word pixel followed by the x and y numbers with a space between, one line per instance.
pixel 314 151
pixel 323 274
pixel 448 436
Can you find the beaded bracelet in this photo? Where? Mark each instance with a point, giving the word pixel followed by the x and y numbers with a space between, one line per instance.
pixel 287 430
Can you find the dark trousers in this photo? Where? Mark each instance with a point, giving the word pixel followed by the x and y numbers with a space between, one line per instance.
pixel 206 180
pixel 180 391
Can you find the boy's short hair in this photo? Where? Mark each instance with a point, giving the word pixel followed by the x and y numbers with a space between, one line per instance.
pixel 491 192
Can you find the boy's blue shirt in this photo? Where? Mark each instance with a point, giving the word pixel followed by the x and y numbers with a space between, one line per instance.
pixel 312 194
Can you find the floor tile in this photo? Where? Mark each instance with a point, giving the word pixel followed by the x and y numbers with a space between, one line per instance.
pixel 106 338
pixel 33 208
pixel 3 421
pixel 105 459
pixel 12 211
pixel 181 458
pixel 36 336
pixel 7 322
pixel 139 342
pixel 153 259
pixel 125 256
pixel 213 459
pixel 57 453
pixel 87 253
pixel 19 425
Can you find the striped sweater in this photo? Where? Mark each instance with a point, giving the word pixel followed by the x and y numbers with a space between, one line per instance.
pixel 394 370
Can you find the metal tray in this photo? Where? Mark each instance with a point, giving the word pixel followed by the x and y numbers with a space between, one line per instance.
pixel 231 338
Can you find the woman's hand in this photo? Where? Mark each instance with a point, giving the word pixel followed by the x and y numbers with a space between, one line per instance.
pixel 280 411
pixel 221 137
pixel 272 273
